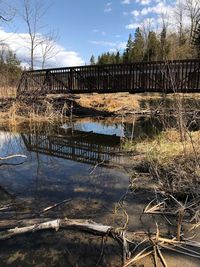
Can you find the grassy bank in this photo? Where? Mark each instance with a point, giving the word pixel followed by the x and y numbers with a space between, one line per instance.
pixel 173 162
pixel 89 104
pixel 125 102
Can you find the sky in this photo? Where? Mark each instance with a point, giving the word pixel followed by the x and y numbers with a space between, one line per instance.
pixel 84 27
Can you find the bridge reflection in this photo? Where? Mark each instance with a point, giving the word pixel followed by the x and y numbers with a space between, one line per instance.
pixel 80 146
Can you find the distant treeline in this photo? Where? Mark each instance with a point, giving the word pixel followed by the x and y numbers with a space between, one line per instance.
pixel 153 46
pixel 10 70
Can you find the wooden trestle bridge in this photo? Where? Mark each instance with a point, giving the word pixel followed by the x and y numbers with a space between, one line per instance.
pixel 159 76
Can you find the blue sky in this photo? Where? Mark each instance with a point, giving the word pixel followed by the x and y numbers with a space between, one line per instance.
pixel 87 27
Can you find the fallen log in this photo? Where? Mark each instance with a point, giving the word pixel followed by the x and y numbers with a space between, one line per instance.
pixel 22 222
pixel 149 242
pixel 84 225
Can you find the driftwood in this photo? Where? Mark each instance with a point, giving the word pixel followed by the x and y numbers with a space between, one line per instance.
pixel 149 243
pixel 152 244
pixel 13 156
pixel 84 225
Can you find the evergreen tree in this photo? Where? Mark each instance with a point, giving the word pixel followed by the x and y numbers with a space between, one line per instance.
pixel 10 70
pixel 11 59
pixel 153 47
pixel 109 58
pixel 92 60
pixel 118 57
pixel 127 56
pixel 137 53
pixel 156 47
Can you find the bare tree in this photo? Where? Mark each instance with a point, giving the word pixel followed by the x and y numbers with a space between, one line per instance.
pixel 193 11
pixel 179 15
pixel 32 13
pixel 7 11
pixel 49 48
pixel 146 27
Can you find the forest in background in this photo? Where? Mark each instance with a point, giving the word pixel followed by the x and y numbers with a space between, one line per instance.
pixel 179 41
pixel 154 47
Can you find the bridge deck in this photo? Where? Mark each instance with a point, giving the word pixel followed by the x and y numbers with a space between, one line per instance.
pixel 138 77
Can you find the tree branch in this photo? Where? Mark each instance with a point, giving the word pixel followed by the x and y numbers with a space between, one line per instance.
pixel 13 156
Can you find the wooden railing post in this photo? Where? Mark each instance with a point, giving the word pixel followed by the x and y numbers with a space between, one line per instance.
pixel 71 79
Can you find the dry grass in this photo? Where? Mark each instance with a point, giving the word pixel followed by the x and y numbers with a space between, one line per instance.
pixel 20 112
pixel 7 92
pixel 110 102
pixel 172 162
pixel 120 102
pixel 168 145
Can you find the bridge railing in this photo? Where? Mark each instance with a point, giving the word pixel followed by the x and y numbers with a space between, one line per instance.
pixel 159 76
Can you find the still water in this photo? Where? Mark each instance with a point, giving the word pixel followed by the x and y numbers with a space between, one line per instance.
pixel 72 162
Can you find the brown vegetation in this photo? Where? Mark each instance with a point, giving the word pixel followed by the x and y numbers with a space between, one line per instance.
pixel 111 102
pixel 138 103
pixel 7 92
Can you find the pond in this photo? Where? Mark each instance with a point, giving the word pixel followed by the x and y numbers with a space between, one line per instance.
pixel 73 164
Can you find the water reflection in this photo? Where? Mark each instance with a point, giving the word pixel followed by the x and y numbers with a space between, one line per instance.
pixel 76 145
pixel 143 127
pixel 55 170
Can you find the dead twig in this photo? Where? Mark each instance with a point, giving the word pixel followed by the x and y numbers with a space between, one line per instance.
pixel 94 168
pixel 55 205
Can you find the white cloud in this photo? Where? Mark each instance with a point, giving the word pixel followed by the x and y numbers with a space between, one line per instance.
pixel 158 10
pixel 108 7
pixel 135 13
pixel 103 43
pixel 20 44
pixel 66 58
pixel 125 2
pixel 144 2
pixel 132 26
pixel 145 11
pixel 113 45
